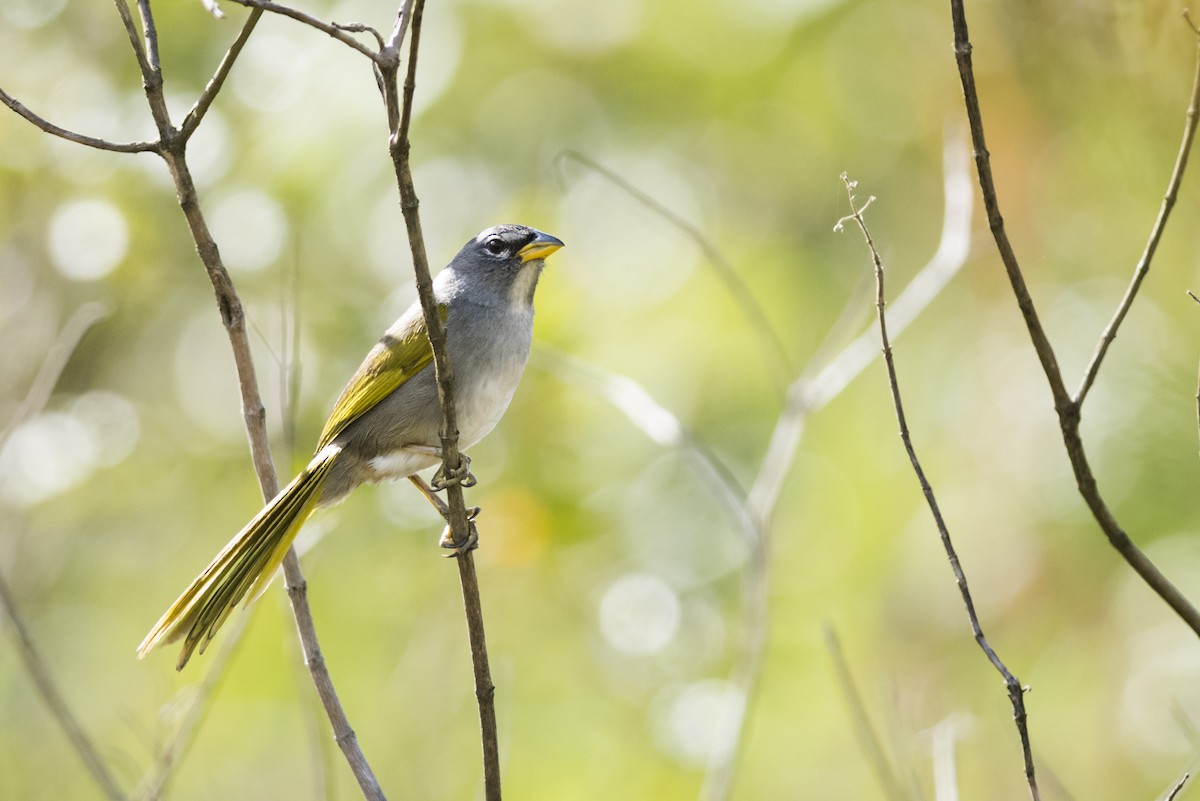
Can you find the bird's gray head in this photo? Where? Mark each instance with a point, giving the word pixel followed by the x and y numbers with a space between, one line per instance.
pixel 499 266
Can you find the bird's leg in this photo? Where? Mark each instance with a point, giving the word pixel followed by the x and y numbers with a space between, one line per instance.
pixel 443 478
pixel 446 541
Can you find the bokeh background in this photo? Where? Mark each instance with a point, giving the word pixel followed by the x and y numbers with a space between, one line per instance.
pixel 611 572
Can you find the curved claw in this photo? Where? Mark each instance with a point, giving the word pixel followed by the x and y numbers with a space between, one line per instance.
pixel 461 476
pixel 471 542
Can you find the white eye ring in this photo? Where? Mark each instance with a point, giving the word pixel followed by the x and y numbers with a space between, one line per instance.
pixel 495 245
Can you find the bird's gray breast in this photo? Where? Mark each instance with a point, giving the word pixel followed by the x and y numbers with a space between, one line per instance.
pixel 488 348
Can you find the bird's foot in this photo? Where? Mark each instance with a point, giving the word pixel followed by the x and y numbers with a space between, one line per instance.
pixel 461 475
pixel 469 543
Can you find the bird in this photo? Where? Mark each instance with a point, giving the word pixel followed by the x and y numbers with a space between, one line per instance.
pixel 385 424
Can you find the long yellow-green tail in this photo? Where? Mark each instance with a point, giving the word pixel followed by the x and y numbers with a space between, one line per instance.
pixel 248 562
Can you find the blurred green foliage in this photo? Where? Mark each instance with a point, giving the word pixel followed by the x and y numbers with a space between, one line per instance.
pixel 611 574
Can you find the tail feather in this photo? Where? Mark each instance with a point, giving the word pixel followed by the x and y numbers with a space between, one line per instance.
pixel 247 563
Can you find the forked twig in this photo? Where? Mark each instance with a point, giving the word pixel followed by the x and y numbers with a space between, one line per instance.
pixel 1156 232
pixel 1016 692
pixel 1066 406
pixel 172 148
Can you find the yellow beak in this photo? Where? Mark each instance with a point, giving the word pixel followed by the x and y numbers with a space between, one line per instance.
pixel 541 247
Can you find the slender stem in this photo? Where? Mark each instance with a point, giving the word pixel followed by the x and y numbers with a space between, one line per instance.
pixel 1065 406
pixel 1016 692
pixel 336 31
pixel 399 146
pixel 196 114
pixel 79 139
pixel 1160 224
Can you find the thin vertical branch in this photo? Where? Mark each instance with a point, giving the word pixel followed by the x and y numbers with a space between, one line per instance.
pixel 400 147
pixel 1066 407
pixel 32 404
pixel 1016 692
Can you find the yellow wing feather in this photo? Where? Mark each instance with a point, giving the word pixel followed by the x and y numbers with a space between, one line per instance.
pixel 402 353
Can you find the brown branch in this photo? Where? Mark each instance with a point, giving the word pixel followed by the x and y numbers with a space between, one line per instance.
pixel 196 114
pixel 338 32
pixel 1065 406
pixel 1160 224
pixel 173 151
pixel 1016 692
pixel 399 147
pixel 79 139
pixel 32 404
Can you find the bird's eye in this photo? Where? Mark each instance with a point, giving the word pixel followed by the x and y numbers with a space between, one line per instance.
pixel 495 246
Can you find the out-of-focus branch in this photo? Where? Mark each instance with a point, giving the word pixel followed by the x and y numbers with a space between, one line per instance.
pixel 754 510
pixel 868 738
pixel 1016 692
pixel 1065 406
pixel 399 146
pixel 752 311
pixel 153 785
pixel 31 405
pixel 1156 232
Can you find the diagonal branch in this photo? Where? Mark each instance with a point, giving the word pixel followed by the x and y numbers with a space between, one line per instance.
pixel 33 402
pixel 332 29
pixel 752 311
pixel 1064 405
pixel 1160 224
pixel 79 139
pixel 173 152
pixel 196 114
pixel 1016 693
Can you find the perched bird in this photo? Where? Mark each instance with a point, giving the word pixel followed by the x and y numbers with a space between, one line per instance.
pixel 385 425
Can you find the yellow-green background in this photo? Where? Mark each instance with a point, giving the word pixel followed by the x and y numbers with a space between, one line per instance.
pixel 739 117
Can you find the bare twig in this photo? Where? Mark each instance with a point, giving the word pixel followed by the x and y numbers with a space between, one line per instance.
pixel 399 146
pixel 752 311
pixel 339 32
pixel 1178 788
pixel 196 114
pixel 1160 224
pixel 868 738
pixel 32 404
pixel 1065 406
pixel 154 784
pixel 71 136
pixel 808 394
pixel 1016 692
